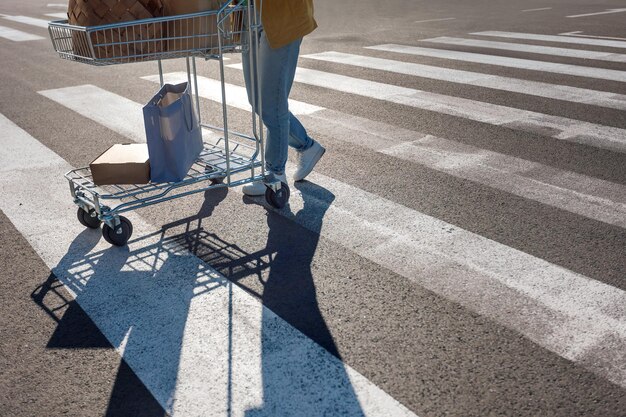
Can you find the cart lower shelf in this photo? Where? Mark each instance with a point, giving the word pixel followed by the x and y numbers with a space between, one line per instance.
pixel 105 204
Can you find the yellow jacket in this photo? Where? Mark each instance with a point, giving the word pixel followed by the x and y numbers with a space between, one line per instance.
pixel 284 21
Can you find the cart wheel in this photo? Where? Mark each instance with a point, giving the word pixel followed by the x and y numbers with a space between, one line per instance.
pixel 125 230
pixel 214 181
pixel 277 199
pixel 88 219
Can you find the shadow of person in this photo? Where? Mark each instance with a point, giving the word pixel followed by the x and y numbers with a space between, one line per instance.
pixel 299 383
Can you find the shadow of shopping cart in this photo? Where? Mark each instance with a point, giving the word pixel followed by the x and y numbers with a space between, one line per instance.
pixel 172 288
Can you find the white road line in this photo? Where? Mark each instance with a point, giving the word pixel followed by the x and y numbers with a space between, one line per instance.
pixel 117 113
pixel 57 15
pixel 579 33
pixel 28 21
pixel 17 35
pixel 552 38
pixel 537 10
pixel 562 128
pixel 569 191
pixel 436 20
pixel 532 49
pixel 363 132
pixel 572 315
pixel 526 64
pixel 516 85
pixel 237 97
pixel 198 343
pixel 489 278
pixel 61 5
pixel 609 11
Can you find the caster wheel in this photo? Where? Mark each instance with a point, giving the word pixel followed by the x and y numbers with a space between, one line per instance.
pixel 89 220
pixel 277 199
pixel 214 181
pixel 121 235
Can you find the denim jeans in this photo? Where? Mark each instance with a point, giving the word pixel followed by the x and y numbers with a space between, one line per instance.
pixel 277 68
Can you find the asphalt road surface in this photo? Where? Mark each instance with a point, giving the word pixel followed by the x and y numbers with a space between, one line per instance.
pixel 460 250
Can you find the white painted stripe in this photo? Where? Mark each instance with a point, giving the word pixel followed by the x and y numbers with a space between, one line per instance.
pixel 436 20
pixel 579 33
pixel 516 85
pixel 354 129
pixel 532 49
pixel 580 194
pixel 552 38
pixel 57 15
pixel 236 96
pixel 117 113
pixel 62 5
pixel 537 10
pixel 510 287
pixel 554 126
pixel 572 315
pixel 28 21
pixel 569 191
pixel 112 111
pixel 198 343
pixel 526 64
pixel 17 35
pixel 610 11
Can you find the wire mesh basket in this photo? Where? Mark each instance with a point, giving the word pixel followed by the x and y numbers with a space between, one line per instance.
pixel 206 34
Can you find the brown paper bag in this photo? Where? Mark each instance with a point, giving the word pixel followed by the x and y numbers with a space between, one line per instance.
pixel 198 33
pixel 137 40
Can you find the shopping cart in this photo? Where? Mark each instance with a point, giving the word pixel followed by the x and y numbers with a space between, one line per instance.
pixel 228 159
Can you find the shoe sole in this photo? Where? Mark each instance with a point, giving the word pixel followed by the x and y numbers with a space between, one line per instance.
pixel 314 162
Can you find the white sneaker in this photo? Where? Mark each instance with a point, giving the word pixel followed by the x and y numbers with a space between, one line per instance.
pixel 258 188
pixel 307 161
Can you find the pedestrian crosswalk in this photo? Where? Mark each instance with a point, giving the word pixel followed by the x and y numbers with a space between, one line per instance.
pixel 605 137
pixel 554 38
pixel 27 20
pixel 197 300
pixel 514 85
pixel 561 310
pixel 60 16
pixel 532 49
pixel 17 35
pixel 525 64
pixel 587 196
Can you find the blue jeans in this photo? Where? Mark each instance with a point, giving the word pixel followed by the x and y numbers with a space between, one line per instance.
pixel 277 68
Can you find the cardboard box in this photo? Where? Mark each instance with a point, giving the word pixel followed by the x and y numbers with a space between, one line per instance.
pixel 122 164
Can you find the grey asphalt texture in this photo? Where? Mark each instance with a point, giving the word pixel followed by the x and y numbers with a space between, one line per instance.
pixel 437 358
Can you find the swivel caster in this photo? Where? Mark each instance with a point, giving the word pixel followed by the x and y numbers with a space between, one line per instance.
pixel 88 219
pixel 279 198
pixel 121 235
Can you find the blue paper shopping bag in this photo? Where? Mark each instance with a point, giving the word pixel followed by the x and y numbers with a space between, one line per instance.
pixel 173 133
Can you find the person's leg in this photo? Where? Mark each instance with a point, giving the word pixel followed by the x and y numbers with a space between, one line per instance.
pixel 309 151
pixel 248 61
pixel 277 68
pixel 298 138
pixel 276 72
